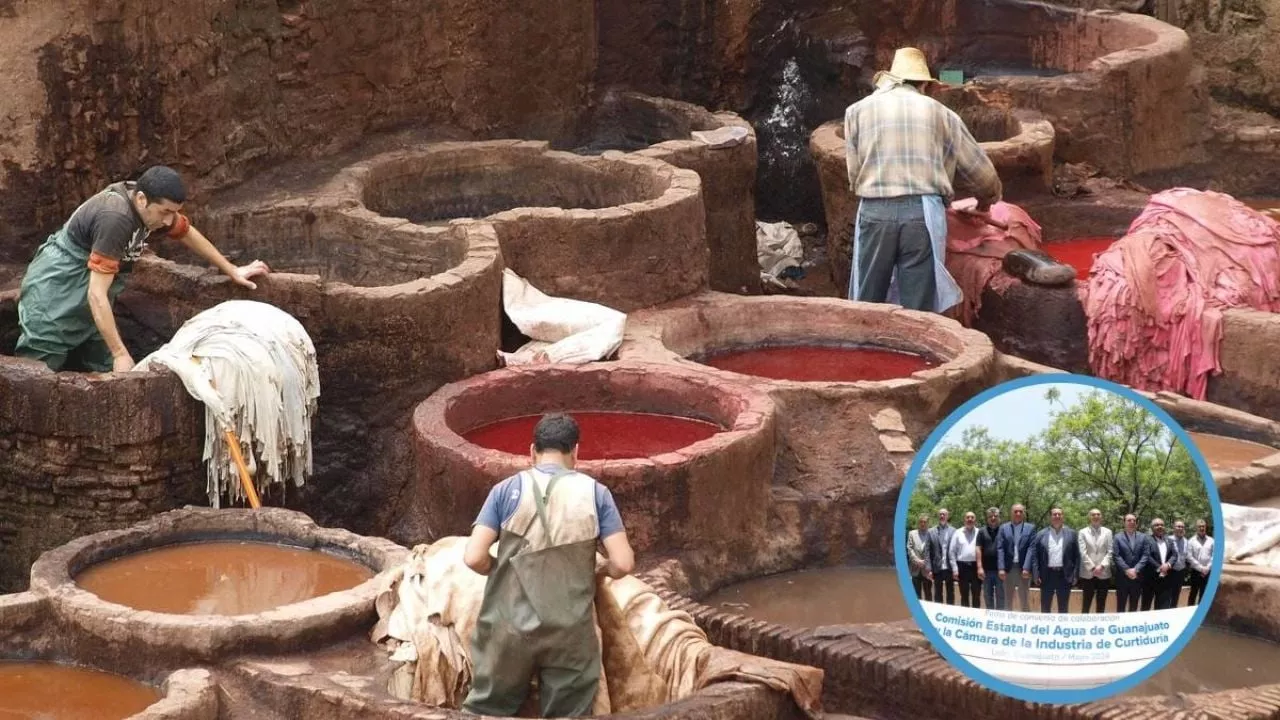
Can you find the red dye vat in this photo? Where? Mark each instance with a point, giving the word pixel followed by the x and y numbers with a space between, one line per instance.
pixel 604 435
pixel 815 363
pixel 1078 253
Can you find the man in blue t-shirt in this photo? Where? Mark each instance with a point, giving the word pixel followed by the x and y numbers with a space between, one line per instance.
pixel 536 616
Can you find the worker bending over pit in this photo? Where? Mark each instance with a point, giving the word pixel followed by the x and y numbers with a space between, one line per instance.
pixel 65 307
pixel 536 616
pixel 903 149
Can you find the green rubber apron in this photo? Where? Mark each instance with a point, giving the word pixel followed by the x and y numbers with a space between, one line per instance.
pixel 53 308
pixel 536 618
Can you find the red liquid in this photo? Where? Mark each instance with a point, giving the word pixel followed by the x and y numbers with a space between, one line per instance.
pixel 1078 253
pixel 604 435
pixel 820 364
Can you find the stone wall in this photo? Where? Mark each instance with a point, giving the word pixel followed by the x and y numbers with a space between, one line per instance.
pixel 84 453
pixel 221 89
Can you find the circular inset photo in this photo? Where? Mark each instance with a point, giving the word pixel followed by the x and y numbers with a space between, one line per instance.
pixel 1056 541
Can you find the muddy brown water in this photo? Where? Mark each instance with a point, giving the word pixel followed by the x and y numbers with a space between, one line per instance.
pixel 40 691
pixel 1214 659
pixel 824 596
pixel 220 578
pixel 1226 453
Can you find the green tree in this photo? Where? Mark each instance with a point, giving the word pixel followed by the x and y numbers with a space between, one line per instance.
pixel 1104 451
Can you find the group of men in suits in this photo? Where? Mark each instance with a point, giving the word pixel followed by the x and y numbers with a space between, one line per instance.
pixel 1000 561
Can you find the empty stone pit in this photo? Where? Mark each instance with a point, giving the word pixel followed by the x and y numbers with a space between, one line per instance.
pixel 620 230
pixel 394 309
pixel 85 452
pixel 297 586
pixel 880 417
pixel 1019 142
pixel 696 474
pixel 1121 89
pixel 665 129
pixel 45 673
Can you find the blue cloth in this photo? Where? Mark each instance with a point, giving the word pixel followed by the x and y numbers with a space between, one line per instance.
pixel 947 292
pixel 993 590
pixel 504 498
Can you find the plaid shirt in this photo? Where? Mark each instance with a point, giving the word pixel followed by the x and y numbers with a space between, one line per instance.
pixel 901 142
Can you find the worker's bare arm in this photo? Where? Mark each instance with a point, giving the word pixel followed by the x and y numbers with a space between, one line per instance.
pixel 620 557
pixel 243 275
pixel 476 555
pixel 105 319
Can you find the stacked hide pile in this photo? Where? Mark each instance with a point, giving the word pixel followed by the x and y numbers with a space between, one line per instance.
pixel 651 655
pixel 976 250
pixel 1155 300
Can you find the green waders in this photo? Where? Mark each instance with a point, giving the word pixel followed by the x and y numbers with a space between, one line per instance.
pixel 53 309
pixel 536 618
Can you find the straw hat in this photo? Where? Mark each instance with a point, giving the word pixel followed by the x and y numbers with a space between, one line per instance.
pixel 909 65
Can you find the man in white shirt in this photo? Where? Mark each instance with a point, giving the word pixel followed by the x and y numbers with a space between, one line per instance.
pixel 918 556
pixel 964 562
pixel 1161 554
pixel 1095 562
pixel 1200 560
pixel 1054 560
pixel 940 573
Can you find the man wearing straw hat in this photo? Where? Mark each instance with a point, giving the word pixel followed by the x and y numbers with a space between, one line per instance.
pixel 904 150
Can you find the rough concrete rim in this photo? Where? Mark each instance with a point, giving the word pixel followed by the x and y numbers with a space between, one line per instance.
pixel 211 637
pixel 645 341
pixel 188 692
pixel 679 184
pixel 481 254
pixel 431 418
pixel 1035 133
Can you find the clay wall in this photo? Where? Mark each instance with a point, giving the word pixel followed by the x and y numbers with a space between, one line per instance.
pixel 84 453
pixel 221 89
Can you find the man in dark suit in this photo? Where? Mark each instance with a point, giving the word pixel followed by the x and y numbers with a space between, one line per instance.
pixel 940 558
pixel 1012 545
pixel 1054 561
pixel 1162 555
pixel 1130 553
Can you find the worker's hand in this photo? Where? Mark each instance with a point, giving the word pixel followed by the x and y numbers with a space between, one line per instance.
pixel 122 363
pixel 602 566
pixel 245 274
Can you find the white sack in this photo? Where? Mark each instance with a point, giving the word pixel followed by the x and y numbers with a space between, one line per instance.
pixel 778 247
pixel 563 330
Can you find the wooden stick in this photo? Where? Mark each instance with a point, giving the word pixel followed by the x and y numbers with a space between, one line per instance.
pixel 985 217
pixel 246 482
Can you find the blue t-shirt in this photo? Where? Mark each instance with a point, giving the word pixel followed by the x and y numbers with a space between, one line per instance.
pixel 504 498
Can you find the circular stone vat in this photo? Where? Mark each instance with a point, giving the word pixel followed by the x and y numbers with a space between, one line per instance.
pixel 220 578
pixel 619 230
pixel 711 495
pixel 818 363
pixel 1076 67
pixel 663 129
pixel 605 435
pixel 1242 450
pixel 183 636
pixel 845 446
pixel 87 451
pixel 395 310
pixel 34 689
pixel 1019 142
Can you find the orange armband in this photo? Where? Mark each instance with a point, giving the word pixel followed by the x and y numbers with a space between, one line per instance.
pixel 180 227
pixel 102 264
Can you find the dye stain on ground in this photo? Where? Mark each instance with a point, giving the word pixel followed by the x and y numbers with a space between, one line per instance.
pixel 604 435
pixel 816 363
pixel 822 596
pixel 1078 252
pixel 46 690
pixel 1225 453
pixel 220 578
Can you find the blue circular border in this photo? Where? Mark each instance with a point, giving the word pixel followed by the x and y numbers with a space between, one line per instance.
pixel 1037 695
